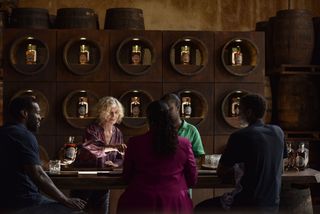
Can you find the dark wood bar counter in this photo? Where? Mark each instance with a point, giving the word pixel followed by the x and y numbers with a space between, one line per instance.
pixel 206 179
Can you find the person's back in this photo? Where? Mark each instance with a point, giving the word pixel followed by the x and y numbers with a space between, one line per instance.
pixel 159 167
pixel 158 173
pixel 254 154
pixel 261 148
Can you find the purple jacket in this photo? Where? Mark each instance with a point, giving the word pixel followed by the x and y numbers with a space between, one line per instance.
pixel 92 152
pixel 157 184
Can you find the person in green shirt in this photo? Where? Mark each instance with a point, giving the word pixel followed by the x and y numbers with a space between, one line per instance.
pixel 185 129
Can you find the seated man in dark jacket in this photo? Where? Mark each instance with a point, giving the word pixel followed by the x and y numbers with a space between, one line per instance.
pixel 22 174
pixel 254 155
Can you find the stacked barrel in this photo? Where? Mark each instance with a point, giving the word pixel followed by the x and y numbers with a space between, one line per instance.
pixel 292 53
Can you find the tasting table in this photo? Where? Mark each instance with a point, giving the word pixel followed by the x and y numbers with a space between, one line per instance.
pixel 73 179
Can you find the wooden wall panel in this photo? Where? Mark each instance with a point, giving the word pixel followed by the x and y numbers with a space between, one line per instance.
pixel 47 89
pixel 63 90
pixel 221 91
pixel 47 37
pixel 153 73
pixel 100 72
pixel 172 37
pixel 254 75
pixel 205 127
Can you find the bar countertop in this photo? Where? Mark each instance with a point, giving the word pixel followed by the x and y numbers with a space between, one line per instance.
pixel 206 179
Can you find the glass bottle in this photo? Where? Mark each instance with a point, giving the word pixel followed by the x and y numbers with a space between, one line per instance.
pixel 236 56
pixel 70 149
pixel 302 157
pixel 289 162
pixel 185 55
pixel 84 55
pixel 136 58
pixel 135 107
pixel 31 54
pixel 234 106
pixel 83 107
pixel 186 109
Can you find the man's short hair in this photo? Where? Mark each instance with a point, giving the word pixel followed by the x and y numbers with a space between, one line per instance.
pixel 255 102
pixel 172 97
pixel 21 103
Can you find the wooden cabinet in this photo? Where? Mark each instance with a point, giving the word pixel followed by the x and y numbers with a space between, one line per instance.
pixel 198 67
pixel 136 56
pixel 19 65
pixel 82 55
pixel 143 65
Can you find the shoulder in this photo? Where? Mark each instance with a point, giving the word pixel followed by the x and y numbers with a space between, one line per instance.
pixel 184 142
pixel 188 128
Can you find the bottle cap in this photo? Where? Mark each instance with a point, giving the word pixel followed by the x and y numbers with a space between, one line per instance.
pixel 185 48
pixel 136 48
pixel 135 99
pixel 186 99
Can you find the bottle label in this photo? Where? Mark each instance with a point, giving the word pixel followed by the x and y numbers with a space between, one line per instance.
pixel 31 57
pixel 238 59
pixel 82 111
pixel 187 111
pixel 185 58
pixel 136 58
pixel 300 162
pixel 83 58
pixel 70 153
pixel 135 111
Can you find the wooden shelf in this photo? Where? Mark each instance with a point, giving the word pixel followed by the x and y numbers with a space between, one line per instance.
pixel 302 135
pixel 134 122
pixel 80 123
pixel 194 120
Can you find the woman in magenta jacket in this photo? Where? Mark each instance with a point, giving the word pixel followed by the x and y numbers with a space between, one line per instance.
pixel 159 167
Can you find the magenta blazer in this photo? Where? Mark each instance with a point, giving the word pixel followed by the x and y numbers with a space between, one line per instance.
pixel 157 184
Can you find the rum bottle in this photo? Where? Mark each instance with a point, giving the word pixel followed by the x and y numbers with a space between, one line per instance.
pixel 186 109
pixel 302 157
pixel 83 107
pixel 289 162
pixel 31 54
pixel 70 149
pixel 84 55
pixel 236 56
pixel 135 107
pixel 136 58
pixel 234 106
pixel 185 55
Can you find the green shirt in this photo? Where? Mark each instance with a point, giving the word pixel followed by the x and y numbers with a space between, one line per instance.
pixel 189 131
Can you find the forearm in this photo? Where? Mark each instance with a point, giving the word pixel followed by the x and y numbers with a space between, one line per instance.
pixel 48 187
pixel 45 184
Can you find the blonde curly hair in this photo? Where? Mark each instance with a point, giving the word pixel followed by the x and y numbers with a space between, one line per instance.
pixel 104 106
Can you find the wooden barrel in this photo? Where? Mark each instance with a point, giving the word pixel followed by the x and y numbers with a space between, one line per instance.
pixel 76 18
pixel 295 199
pixel 298 103
pixel 293 37
pixel 124 19
pixel 267 27
pixel 35 18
